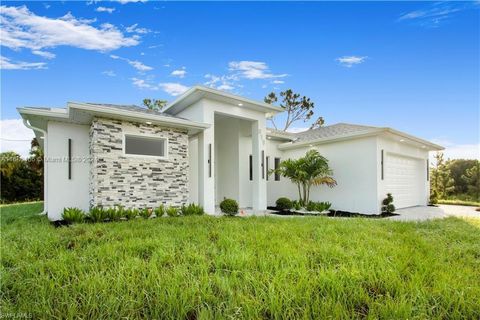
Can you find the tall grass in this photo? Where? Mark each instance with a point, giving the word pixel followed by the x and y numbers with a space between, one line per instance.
pixel 200 267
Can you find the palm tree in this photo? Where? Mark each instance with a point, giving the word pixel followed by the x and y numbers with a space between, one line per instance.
pixel 310 170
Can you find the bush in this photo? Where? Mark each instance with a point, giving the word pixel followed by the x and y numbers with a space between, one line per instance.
pixel 191 209
pixel 284 203
pixel 114 214
pixel 296 205
pixel 388 206
pixel 311 206
pixel 73 215
pixel 146 213
pixel 130 214
pixel 433 197
pixel 97 214
pixel 229 207
pixel 172 212
pixel 160 211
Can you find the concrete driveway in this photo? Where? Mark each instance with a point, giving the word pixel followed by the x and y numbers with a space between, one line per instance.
pixel 442 211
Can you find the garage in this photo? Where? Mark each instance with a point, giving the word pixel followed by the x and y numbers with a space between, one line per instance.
pixel 405 180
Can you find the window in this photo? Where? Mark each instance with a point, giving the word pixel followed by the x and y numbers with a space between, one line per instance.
pixel 428 171
pixel 267 164
pixel 381 164
pixel 263 164
pixel 250 161
pixel 276 166
pixel 145 146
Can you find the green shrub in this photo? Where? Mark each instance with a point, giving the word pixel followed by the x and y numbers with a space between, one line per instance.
pixel 97 214
pixel 130 214
pixel 284 203
pixel 172 212
pixel 160 211
pixel 296 205
pixel 388 206
pixel 327 206
pixel 311 206
pixel 73 215
pixel 229 207
pixel 146 213
pixel 191 209
pixel 114 214
pixel 433 197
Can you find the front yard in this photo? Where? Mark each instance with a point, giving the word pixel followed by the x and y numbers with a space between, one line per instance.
pixel 206 267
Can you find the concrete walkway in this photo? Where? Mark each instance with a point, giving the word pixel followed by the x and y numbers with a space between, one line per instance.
pixel 442 211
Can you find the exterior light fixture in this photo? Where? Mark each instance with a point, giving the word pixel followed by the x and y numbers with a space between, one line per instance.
pixel 148 122
pixel 401 140
pixel 240 104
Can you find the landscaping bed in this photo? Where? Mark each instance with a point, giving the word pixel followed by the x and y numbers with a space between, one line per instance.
pixel 330 213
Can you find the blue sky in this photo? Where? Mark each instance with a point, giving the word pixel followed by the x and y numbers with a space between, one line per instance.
pixel 413 66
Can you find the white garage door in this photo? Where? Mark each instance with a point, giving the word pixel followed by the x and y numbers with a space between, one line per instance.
pixel 405 180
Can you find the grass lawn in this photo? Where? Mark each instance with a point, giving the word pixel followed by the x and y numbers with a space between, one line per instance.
pixel 203 267
pixel 460 202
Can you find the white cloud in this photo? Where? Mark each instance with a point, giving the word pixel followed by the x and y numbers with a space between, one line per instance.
pixel 457 151
pixel 15 137
pixel 129 1
pixel 134 63
pixel 225 82
pixel 135 29
pixel 437 12
pixel 7 64
pixel 297 129
pixel 278 81
pixel 253 70
pixel 142 84
pixel 225 87
pixel 22 28
pixel 173 89
pixel 109 73
pixel 349 61
pixel 179 73
pixel 44 54
pixel 105 9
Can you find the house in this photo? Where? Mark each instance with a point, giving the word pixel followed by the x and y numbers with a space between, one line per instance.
pixel 208 145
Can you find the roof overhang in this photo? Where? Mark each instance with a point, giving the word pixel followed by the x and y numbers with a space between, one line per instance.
pixel 389 132
pixel 196 93
pixel 83 113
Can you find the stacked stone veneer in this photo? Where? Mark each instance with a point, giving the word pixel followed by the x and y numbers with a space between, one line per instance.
pixel 133 181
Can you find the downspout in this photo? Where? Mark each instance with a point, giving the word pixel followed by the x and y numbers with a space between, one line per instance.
pixel 45 170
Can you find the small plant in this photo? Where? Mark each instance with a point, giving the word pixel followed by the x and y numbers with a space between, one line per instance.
pixel 327 206
pixel 191 209
pixel 284 203
pixel 97 214
pixel 229 207
pixel 73 215
pixel 146 213
pixel 311 206
pixel 388 206
pixel 172 212
pixel 296 205
pixel 113 214
pixel 130 214
pixel 160 211
pixel 433 197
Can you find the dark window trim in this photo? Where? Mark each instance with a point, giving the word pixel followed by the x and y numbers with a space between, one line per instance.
pixel 428 170
pixel 69 159
pixel 250 162
pixel 267 166
pixel 381 162
pixel 276 165
pixel 209 161
pixel 263 164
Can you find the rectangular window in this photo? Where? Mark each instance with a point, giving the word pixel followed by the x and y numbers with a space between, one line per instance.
pixel 381 163
pixel 69 159
pixel 145 146
pixel 250 162
pixel 209 160
pixel 267 165
pixel 263 164
pixel 276 166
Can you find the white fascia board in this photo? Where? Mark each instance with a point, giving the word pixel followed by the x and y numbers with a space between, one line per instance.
pixel 429 145
pixel 137 116
pixel 248 103
pixel 25 112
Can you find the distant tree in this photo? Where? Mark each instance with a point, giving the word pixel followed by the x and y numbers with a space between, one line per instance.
pixel 441 180
pixel 472 178
pixel 154 104
pixel 458 168
pixel 298 108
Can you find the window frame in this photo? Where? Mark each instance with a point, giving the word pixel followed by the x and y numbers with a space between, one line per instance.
pixel 275 166
pixel 145 136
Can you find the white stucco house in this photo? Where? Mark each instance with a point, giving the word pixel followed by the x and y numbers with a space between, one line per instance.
pixel 208 145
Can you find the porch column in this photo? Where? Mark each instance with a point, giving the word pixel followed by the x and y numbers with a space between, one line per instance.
pixel 259 195
pixel 206 174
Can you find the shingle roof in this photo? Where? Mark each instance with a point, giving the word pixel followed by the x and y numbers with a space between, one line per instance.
pixel 326 132
pixel 134 108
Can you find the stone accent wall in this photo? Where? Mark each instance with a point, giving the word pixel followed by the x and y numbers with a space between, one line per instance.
pixel 133 181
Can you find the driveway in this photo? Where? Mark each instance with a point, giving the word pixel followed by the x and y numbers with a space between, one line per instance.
pixel 442 211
